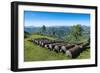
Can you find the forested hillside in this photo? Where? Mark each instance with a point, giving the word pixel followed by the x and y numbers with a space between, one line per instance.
pixel 62 32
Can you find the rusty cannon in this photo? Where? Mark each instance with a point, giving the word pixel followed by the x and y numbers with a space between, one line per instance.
pixel 55 46
pixel 37 40
pixel 64 48
pixel 75 51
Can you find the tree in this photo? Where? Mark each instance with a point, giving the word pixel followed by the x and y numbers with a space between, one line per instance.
pixel 26 34
pixel 43 29
pixel 53 31
pixel 75 34
pixel 76 31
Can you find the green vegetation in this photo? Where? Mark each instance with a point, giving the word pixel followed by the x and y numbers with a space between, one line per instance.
pixel 33 52
pixel 43 28
pixel 76 31
pixel 26 34
pixel 72 34
pixel 85 54
pixel 34 36
pixel 75 35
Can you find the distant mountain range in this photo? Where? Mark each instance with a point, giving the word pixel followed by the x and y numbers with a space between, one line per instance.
pixel 59 31
pixel 32 29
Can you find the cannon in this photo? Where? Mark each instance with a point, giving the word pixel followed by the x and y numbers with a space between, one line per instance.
pixel 66 47
pixel 45 43
pixel 56 46
pixel 41 42
pixel 38 40
pixel 75 51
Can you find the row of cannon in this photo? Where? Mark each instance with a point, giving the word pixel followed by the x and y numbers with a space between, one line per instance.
pixel 72 50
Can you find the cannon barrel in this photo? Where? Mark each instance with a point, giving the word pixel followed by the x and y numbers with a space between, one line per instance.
pixel 66 47
pixel 75 51
pixel 54 45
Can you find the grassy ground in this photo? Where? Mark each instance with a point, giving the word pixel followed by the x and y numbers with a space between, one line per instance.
pixel 33 52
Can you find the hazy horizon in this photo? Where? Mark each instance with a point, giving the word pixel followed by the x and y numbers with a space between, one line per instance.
pixel 52 26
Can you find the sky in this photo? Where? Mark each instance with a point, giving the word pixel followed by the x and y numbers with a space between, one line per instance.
pixel 38 19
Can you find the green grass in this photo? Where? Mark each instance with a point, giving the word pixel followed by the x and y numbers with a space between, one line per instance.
pixel 33 52
pixel 85 54
pixel 42 36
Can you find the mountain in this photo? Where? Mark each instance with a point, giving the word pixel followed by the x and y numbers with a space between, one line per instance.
pixel 31 29
pixel 58 31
